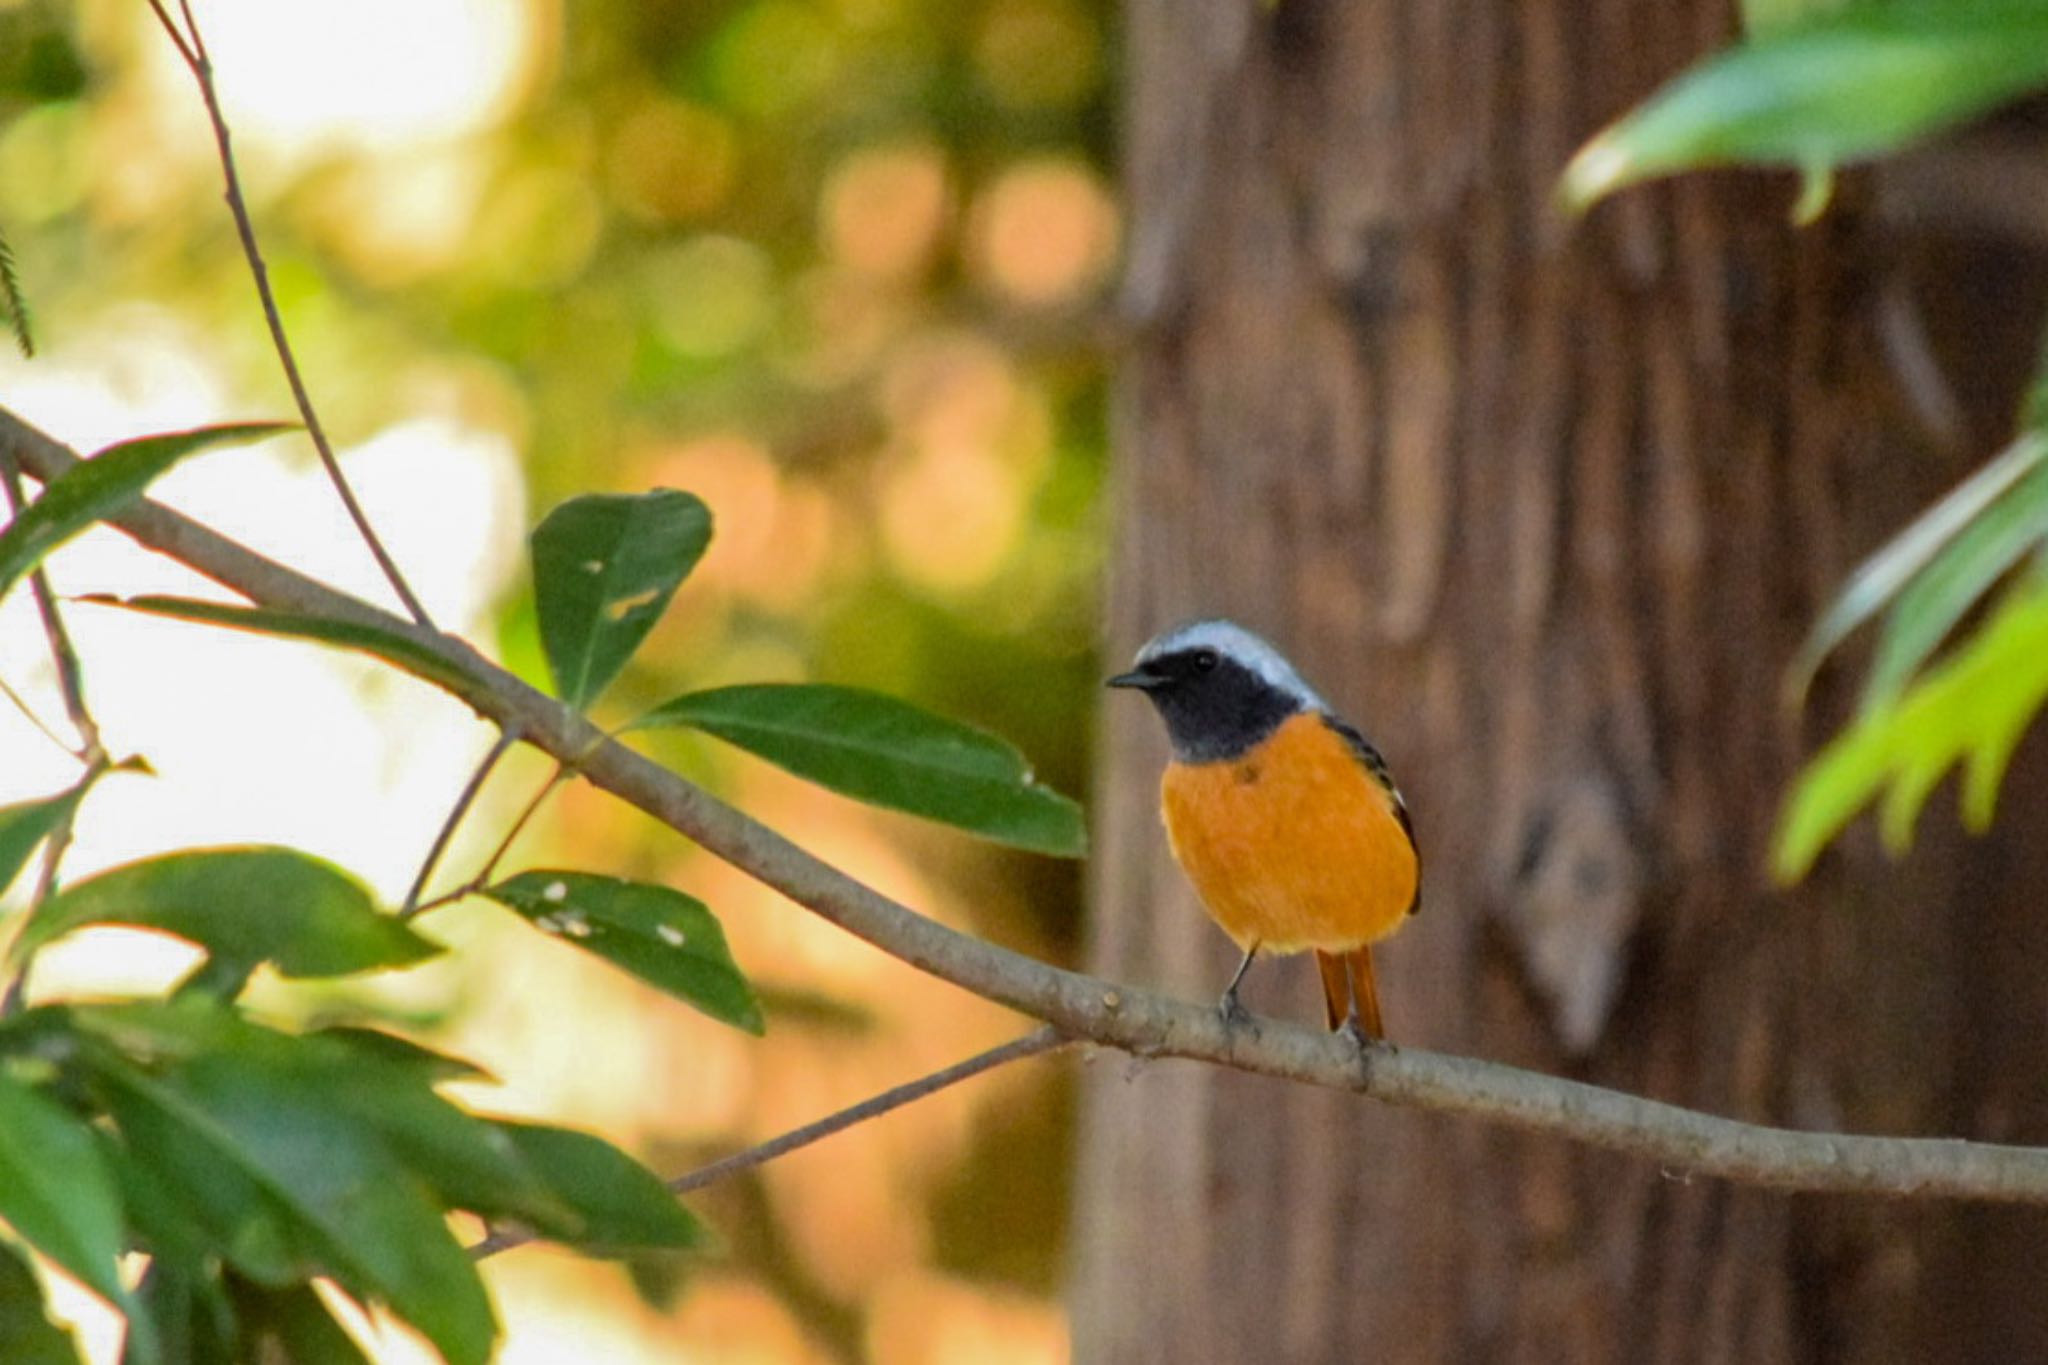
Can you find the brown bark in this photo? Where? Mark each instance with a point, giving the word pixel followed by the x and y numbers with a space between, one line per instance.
pixel 1544 508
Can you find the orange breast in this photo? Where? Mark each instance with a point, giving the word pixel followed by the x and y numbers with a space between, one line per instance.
pixel 1294 845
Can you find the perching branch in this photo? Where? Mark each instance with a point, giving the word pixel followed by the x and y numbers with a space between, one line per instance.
pixel 1030 1045
pixel 191 46
pixel 1122 1017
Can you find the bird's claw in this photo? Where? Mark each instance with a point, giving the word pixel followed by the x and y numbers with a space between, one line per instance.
pixel 1355 1033
pixel 1233 1011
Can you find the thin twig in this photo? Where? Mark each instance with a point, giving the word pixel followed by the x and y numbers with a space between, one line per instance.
pixel 1126 1018
pixel 483 876
pixel 1030 1045
pixel 463 802
pixel 190 57
pixel 63 656
pixel 1047 1039
pixel 55 844
pixel 71 684
pixel 29 712
pixel 192 27
pixel 201 66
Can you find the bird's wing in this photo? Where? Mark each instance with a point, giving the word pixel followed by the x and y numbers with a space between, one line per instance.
pixel 1375 763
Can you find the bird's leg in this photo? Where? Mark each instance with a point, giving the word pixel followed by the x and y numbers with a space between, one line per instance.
pixel 1354 1031
pixel 1233 1012
pixel 1363 1026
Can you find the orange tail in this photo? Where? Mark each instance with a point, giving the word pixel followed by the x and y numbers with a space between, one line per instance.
pixel 1336 989
pixel 1366 990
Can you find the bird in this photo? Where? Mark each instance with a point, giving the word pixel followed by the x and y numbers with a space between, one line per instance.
pixel 1282 814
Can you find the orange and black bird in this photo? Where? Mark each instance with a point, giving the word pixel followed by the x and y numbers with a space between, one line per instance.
pixel 1282 815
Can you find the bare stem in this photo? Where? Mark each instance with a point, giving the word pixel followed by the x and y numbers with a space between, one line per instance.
pixel 463 802
pixel 29 713
pixel 177 38
pixel 193 50
pixel 63 656
pixel 1138 1022
pixel 55 844
pixel 483 876
pixel 71 683
pixel 1030 1045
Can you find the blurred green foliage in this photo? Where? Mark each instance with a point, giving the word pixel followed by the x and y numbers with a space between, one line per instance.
pixel 1814 84
pixel 1819 85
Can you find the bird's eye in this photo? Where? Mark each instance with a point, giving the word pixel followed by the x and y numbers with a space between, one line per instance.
pixel 1204 660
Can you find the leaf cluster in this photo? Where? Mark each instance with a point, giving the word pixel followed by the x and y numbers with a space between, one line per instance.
pixel 224 1181
pixel 1817 84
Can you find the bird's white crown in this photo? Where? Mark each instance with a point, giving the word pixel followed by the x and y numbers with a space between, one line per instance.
pixel 1232 641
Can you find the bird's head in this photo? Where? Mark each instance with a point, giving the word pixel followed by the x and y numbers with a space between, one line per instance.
pixel 1219 688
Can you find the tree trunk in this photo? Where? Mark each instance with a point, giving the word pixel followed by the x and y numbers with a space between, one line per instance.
pixel 1544 508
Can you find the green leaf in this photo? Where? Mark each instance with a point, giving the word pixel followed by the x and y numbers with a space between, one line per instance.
pixel 889 753
pixel 277 905
pixel 622 1204
pixel 657 933
pixel 466 1160
pixel 341 1199
pixel 1967 567
pixel 400 651
pixel 385 1234
pixel 104 485
pixel 658 1278
pixel 376 1045
pixel 295 1322
pixel 24 826
pixel 55 1191
pixel 1826 90
pixel 186 1077
pixel 27 1336
pixel 187 1303
pixel 386 1085
pixel 1761 16
pixel 604 568
pixel 1971 709
pixel 186 1193
pixel 158 1220
pixel 1882 577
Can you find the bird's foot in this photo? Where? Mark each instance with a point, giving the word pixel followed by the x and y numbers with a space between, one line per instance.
pixel 1353 1031
pixel 1235 1015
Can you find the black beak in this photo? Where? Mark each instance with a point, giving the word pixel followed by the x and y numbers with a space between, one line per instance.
pixel 1143 681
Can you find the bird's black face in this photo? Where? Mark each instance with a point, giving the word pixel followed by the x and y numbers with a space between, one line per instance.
pixel 1215 708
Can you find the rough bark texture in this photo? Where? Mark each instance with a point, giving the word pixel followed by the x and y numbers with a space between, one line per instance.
pixel 1544 508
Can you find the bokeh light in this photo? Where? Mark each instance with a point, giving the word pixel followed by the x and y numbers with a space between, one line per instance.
pixel 304 82
pixel 1045 232
pixel 1038 53
pixel 883 209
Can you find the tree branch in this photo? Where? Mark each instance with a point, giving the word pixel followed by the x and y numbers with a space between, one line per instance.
pixel 1030 1045
pixel 1121 1017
